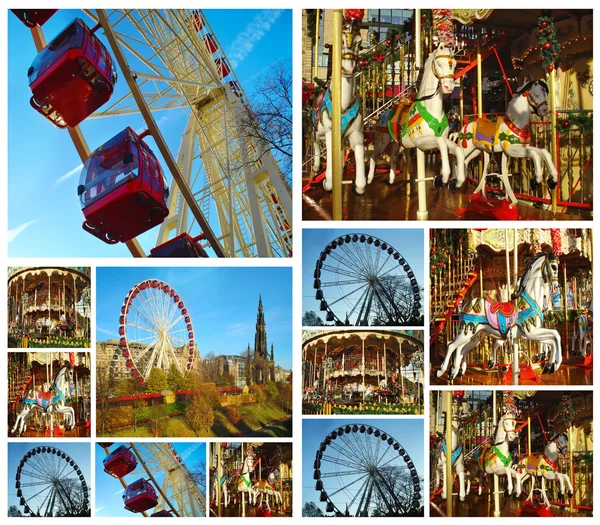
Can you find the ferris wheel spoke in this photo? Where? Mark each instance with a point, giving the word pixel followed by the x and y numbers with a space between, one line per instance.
pixel 337 461
pixel 41 466
pixel 142 316
pixel 67 504
pixel 352 460
pixel 343 271
pixel 361 490
pixel 365 500
pixel 353 256
pixel 33 484
pixel 365 310
pixel 341 283
pixel 386 498
pixel 66 465
pixel 347 295
pixel 180 317
pixel 67 495
pixel 359 453
pixel 40 492
pixel 342 473
pixel 383 305
pixel 348 453
pixel 348 485
pixel 50 502
pixel 36 475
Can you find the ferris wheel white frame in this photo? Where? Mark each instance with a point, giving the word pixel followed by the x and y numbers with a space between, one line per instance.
pixel 153 307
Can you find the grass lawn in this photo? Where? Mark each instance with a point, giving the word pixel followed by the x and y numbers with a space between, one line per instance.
pixel 253 418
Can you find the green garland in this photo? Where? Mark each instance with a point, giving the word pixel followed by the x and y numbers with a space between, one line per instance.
pixel 549 45
pixel 311 23
pixel 584 122
pixel 567 411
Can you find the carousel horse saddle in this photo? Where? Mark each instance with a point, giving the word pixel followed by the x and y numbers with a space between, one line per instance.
pixel 455 453
pixel 532 464
pixel 501 315
pixel 349 113
pixel 43 398
pixel 485 133
pixel 398 115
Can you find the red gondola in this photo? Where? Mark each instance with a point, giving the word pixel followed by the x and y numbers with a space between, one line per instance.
pixel 140 496
pixel 209 42
pixel 162 514
pixel 195 22
pixel 34 17
pixel 122 189
pixel 222 67
pixel 181 246
pixel 120 462
pixel 235 87
pixel 72 76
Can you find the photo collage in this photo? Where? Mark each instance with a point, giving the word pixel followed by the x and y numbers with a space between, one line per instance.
pixel 341 281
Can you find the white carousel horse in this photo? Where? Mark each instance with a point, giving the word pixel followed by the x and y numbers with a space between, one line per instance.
pixel 502 320
pixel 243 482
pixel 457 456
pixel 510 136
pixel 46 403
pixel 225 498
pixel 426 124
pixel 496 458
pixel 266 488
pixel 581 340
pixel 546 467
pixel 352 115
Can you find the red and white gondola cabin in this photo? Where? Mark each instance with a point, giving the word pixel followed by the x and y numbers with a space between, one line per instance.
pixel 140 496
pixel 120 462
pixel 72 76
pixel 122 189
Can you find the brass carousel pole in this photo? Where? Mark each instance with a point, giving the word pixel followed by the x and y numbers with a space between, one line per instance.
pixel 316 51
pixel 566 305
pixel 449 483
pixel 553 149
pixel 422 211
pixel 336 116
pixel 496 480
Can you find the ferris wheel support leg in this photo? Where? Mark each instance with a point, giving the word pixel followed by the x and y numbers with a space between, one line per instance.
pixel 157 135
pixel 79 142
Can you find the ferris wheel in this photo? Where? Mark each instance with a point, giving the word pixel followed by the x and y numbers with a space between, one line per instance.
pixel 369 280
pixel 49 484
pixel 155 330
pixel 163 483
pixel 362 471
pixel 227 192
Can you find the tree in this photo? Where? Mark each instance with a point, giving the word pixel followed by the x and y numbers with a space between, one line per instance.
pixel 271 390
pixel 105 387
pixel 259 394
pixel 270 119
pixel 14 512
pixel 175 379
pixel 311 510
pixel 159 420
pixel 125 387
pixel 285 395
pixel 312 319
pixel 156 382
pixel 199 414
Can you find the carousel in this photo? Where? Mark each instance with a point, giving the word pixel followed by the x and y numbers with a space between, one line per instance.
pixel 49 394
pixel 450 114
pixel 250 479
pixel 362 372
pixel 511 453
pixel 49 307
pixel 511 306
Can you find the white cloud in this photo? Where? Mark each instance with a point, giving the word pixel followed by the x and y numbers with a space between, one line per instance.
pixel 12 234
pixel 105 331
pixel 244 43
pixel 68 175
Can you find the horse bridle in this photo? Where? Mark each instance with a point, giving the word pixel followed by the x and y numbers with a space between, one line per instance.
pixel 533 102
pixel 436 75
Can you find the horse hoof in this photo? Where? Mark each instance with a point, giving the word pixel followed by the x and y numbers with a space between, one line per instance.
pixel 453 185
pixel 505 493
pixel 545 369
pixel 438 182
pixel 459 373
pixel 439 373
pixel 356 191
pixel 491 364
pixel 327 186
pixel 569 495
pixel 534 184
pixel 389 182
pixel 551 184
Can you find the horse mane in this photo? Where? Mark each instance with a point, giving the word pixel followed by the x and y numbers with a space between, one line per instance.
pixel 525 277
pixel 528 86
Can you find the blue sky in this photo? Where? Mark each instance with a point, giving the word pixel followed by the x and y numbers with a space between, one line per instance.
pixel 44 212
pixel 409 242
pixel 222 303
pixel 408 432
pixel 109 491
pixel 80 452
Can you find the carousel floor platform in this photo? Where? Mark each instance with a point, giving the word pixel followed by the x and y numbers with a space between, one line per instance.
pixel 384 202
pixel 77 432
pixel 566 375
pixel 483 506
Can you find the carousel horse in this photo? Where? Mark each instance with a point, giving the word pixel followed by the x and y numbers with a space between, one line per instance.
pixel 510 135
pixel 496 458
pixel 457 457
pixel 266 488
pixel 225 499
pixel 352 115
pixel 508 320
pixel 546 467
pixel 243 483
pixel 46 403
pixel 424 125
pixel 581 340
